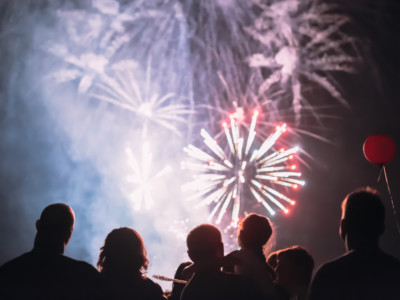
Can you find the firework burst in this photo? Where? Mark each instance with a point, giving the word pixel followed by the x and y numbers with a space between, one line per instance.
pixel 227 179
pixel 302 39
pixel 93 38
pixel 143 177
pixel 125 91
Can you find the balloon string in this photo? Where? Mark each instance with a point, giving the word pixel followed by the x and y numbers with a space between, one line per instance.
pixel 380 172
pixel 391 197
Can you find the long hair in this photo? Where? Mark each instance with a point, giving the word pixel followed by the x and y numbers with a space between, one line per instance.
pixel 123 254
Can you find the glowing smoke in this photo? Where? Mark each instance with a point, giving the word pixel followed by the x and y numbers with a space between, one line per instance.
pixel 61 142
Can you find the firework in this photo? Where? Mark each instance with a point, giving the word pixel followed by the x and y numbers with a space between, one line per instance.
pixel 228 178
pixel 302 39
pixel 143 177
pixel 125 91
pixel 105 33
pixel 93 40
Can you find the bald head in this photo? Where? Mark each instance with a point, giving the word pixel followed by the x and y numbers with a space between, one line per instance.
pixel 56 222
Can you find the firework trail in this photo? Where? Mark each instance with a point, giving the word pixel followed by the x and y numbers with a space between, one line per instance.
pixel 219 47
pixel 228 178
pixel 143 177
pixel 302 39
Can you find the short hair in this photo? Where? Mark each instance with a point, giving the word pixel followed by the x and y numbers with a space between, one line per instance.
pixel 364 213
pixel 203 242
pixel 57 220
pixel 301 261
pixel 254 231
pixel 123 253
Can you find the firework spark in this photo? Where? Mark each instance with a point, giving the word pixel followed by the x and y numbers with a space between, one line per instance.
pixel 143 177
pixel 125 91
pixel 302 39
pixel 228 178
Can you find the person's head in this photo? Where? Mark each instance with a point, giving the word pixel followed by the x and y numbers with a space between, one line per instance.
pixel 363 218
pixel 204 244
pixel 294 268
pixel 55 226
pixel 254 232
pixel 123 254
pixel 272 259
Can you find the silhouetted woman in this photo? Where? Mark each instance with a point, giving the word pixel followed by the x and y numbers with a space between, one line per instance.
pixel 122 262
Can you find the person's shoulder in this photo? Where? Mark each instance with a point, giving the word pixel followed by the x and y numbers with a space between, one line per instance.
pixel 151 285
pixel 335 265
pixel 235 253
pixel 389 264
pixel 390 259
pixel 19 261
pixel 80 266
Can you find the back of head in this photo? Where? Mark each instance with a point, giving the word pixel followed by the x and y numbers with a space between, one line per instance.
pixel 204 243
pixel 254 232
pixel 300 261
pixel 56 224
pixel 363 215
pixel 123 254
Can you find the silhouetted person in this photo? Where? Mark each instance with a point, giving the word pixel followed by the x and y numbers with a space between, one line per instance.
pixel 272 259
pixel 122 262
pixel 177 288
pixel 250 261
pixel 206 250
pixel 44 272
pixel 365 272
pixel 294 270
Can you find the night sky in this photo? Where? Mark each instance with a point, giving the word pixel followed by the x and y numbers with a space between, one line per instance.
pixel 334 169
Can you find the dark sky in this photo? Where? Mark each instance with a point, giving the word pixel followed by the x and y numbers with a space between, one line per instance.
pixel 336 169
pixel 341 167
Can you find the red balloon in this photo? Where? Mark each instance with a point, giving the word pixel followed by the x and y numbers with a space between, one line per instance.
pixel 379 149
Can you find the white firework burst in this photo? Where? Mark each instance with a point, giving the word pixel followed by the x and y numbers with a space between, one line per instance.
pixel 143 177
pixel 141 97
pixel 93 38
pixel 229 178
pixel 302 39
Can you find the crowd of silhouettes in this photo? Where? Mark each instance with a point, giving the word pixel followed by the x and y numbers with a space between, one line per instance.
pixel 364 272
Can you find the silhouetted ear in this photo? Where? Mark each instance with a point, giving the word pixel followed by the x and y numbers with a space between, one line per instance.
pixel 67 238
pixel 343 229
pixel 220 250
pixel 37 224
pixel 190 255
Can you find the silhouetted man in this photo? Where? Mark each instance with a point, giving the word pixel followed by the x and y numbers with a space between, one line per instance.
pixel 206 250
pixel 365 272
pixel 44 272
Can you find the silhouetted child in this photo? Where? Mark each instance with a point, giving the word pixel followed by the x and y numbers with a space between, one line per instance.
pixel 254 233
pixel 44 272
pixel 122 262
